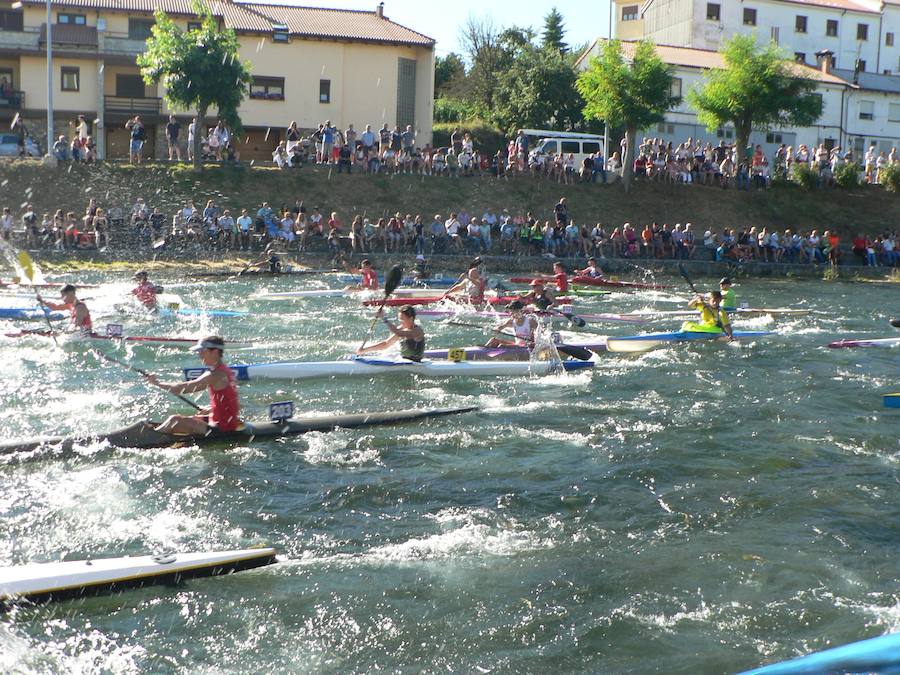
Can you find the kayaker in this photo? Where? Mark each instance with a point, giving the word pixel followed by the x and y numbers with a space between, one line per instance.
pixel 369 281
pixel 592 270
pixel 223 413
pixel 540 296
pixel 729 299
pixel 81 317
pixel 408 333
pixel 713 318
pixel 145 291
pixel 559 277
pixel 270 259
pixel 523 326
pixel 472 285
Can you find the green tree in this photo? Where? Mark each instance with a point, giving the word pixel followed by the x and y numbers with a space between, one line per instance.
pixel 199 69
pixel 632 93
pixel 757 88
pixel 538 91
pixel 552 37
pixel 448 71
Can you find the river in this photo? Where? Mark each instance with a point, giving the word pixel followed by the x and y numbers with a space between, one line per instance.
pixel 700 508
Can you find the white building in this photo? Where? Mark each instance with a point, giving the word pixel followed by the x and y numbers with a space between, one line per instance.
pixel 854 115
pixel 863 30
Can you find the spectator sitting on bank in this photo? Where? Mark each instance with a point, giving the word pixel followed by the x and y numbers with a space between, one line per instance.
pixel 61 149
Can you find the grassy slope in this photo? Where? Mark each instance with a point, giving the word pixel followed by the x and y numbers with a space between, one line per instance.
pixel 869 209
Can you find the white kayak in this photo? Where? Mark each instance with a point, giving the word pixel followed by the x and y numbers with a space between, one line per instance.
pixel 367 367
pixel 44 582
pixel 875 342
pixel 564 316
pixel 740 311
pixel 357 293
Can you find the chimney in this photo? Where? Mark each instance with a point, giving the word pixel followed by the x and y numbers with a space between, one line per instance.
pixel 823 60
pixel 379 11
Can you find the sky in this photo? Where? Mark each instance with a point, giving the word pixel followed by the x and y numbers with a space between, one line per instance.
pixel 585 20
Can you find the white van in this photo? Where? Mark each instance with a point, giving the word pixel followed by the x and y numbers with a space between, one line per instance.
pixel 565 142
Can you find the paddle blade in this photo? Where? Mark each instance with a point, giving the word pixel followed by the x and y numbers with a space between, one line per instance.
pixel 575 319
pixel 895 323
pixel 27 264
pixel 579 353
pixel 393 279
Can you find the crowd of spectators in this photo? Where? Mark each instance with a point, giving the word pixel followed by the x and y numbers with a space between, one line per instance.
pixel 296 227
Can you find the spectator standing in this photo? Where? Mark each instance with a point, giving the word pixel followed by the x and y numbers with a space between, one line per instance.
pixel 173 129
pixel 138 135
pixel 367 140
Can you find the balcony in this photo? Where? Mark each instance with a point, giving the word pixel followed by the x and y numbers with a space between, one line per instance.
pixel 12 100
pixel 121 44
pixel 14 39
pixel 129 107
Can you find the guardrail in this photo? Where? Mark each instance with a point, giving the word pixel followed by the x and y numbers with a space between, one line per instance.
pixel 132 105
pixel 12 99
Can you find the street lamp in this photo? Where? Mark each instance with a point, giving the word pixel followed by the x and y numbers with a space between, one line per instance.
pixel 18 5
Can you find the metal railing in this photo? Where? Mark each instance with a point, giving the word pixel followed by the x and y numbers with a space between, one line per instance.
pixel 12 99
pixel 132 105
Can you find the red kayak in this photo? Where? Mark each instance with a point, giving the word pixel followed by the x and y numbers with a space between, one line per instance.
pixel 592 281
pixel 430 299
pixel 99 336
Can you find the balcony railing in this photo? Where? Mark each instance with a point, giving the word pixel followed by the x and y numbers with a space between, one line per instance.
pixel 132 106
pixel 12 99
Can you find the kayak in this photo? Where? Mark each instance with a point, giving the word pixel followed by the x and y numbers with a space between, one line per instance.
pixel 52 581
pixel 875 655
pixel 48 284
pixel 877 342
pixel 286 272
pixel 143 435
pixel 739 311
pixel 193 311
pixel 367 367
pixel 644 343
pixel 438 314
pixel 428 300
pixel 892 400
pixel 592 281
pixel 77 337
pixel 29 314
pixel 342 293
pixel 435 282
pixel 512 352
pixel 575 290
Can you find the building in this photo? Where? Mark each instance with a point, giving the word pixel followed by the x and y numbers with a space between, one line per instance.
pixel 857 32
pixel 308 64
pixel 859 109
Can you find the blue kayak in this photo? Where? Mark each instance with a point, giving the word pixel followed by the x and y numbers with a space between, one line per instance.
pixel 648 341
pixel 28 314
pixel 877 655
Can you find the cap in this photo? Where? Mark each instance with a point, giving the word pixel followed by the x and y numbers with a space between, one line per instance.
pixel 139 274
pixel 536 282
pixel 515 305
pixel 209 342
pixel 725 281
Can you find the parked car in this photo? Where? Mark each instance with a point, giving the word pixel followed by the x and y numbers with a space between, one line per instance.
pixel 9 146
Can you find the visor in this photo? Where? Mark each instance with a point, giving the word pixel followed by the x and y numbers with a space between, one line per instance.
pixel 208 344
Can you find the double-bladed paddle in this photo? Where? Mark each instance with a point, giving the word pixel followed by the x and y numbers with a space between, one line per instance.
pixel 391 281
pixel 579 353
pixel 143 372
pixel 27 265
pixel 895 323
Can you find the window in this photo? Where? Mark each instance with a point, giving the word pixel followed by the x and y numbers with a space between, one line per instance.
pixel 194 25
pixel 11 20
pixel 6 79
pixel 773 137
pixel 800 24
pixel 590 146
pixel 888 39
pixel 862 31
pixel 675 89
pixel 799 57
pixel 571 146
pixel 861 65
pixel 630 13
pixel 867 110
pixel 139 29
pixel 713 11
pixel 749 17
pixel 831 27
pixel 69 78
pixel 280 33
pixel 71 19
pixel 267 88
pixel 894 112
pixel 406 92
pixel 324 91
pixel 129 85
pixel 774 34
pixel 724 133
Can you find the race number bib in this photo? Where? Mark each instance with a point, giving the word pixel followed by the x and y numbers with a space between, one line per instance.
pixel 280 411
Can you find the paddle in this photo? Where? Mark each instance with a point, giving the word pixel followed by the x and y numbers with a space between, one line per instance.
pixel 574 318
pixel 687 278
pixel 145 373
pixel 725 328
pixel 391 281
pixel 476 262
pixel 579 353
pixel 28 268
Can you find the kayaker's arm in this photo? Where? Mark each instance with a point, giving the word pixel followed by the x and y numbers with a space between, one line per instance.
pixel 215 379
pixel 56 307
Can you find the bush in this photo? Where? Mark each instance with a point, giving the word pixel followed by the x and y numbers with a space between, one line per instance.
pixel 847 176
pixel 805 176
pixel 890 177
pixel 487 138
pixel 456 110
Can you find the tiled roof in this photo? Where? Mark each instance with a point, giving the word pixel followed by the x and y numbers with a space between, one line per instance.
pixel 250 17
pixel 873 81
pixel 707 59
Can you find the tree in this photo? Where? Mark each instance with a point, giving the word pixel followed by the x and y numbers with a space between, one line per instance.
pixel 632 95
pixel 448 71
pixel 199 69
pixel 538 91
pixel 481 41
pixel 758 88
pixel 554 31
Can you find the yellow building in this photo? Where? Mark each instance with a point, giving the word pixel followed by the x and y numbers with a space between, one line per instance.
pixel 308 64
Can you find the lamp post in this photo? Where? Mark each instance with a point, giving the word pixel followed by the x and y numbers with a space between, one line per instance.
pixel 49 77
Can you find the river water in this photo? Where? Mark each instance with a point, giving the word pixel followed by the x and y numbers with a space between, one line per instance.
pixel 702 508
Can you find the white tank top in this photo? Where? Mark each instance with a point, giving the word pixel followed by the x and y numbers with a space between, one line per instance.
pixel 522 330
